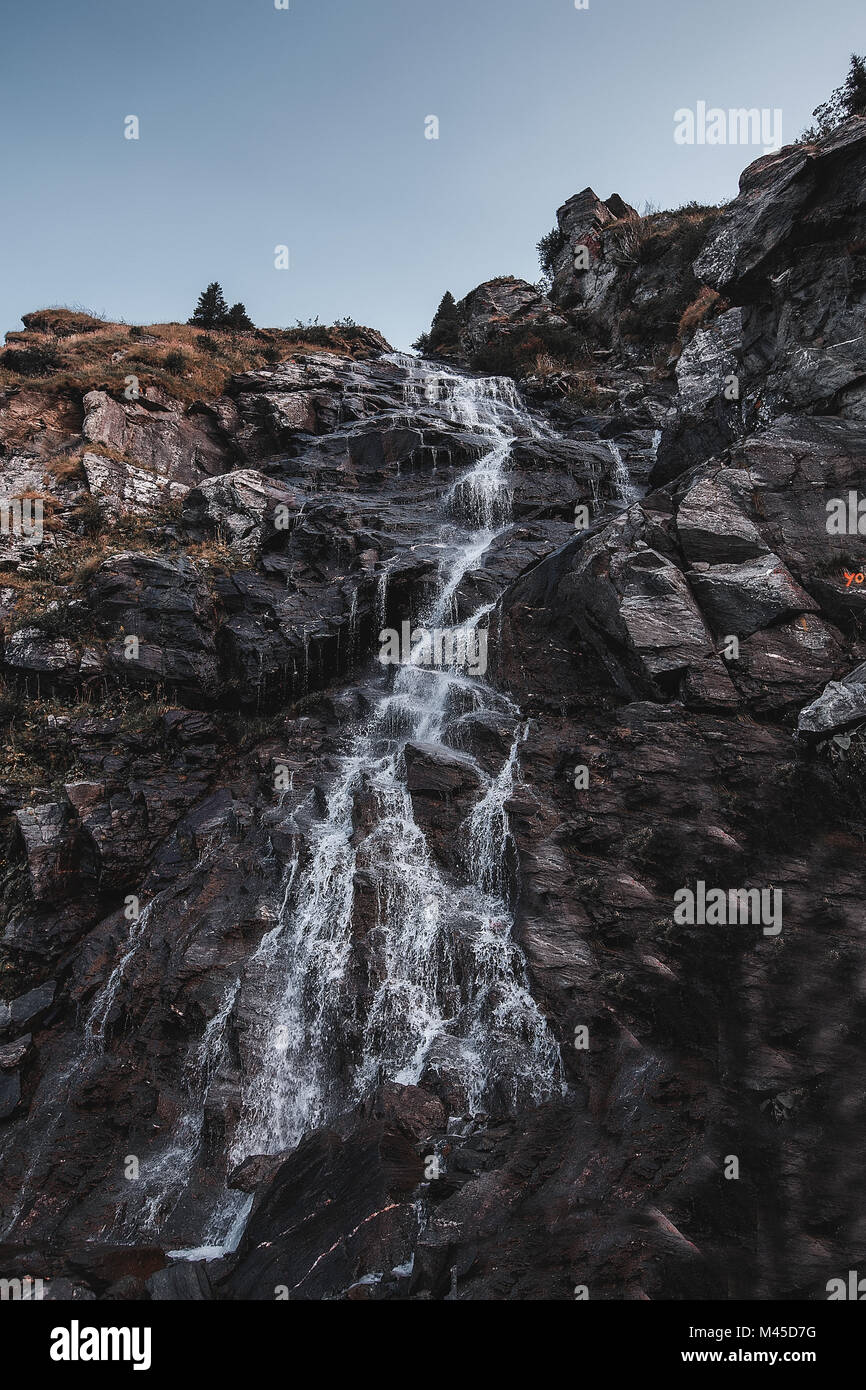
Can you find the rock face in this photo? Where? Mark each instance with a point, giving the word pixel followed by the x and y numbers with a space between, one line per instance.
pixel 155 435
pixel 790 250
pixel 788 253
pixel 625 279
pixel 412 984
pixel 499 308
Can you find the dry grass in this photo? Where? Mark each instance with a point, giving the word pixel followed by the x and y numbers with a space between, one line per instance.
pixel 216 554
pixel 633 241
pixel 99 355
pixel 62 322
pixel 37 747
pixel 708 303
pixel 61 573
pixel 68 467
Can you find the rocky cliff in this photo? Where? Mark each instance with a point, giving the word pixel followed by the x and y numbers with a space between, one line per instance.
pixel 323 980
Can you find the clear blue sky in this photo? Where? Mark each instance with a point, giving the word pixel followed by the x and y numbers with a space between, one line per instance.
pixel 306 128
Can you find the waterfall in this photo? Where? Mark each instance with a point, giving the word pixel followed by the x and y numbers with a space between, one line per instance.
pixel 625 491
pixel 430 981
pixel 449 983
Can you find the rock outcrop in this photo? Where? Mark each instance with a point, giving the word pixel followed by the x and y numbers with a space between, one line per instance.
pixel 674 703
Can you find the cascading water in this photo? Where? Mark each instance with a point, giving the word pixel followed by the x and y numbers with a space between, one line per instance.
pixel 446 987
pixel 439 986
pixel 625 491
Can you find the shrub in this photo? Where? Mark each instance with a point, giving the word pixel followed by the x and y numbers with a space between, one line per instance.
pixel 657 320
pixel 548 250
pixel 314 333
pixel 624 243
pixel 514 353
pixel 39 360
pixel 175 363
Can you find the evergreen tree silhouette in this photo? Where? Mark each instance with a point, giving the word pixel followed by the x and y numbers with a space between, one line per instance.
pixel 238 319
pixel 847 100
pixel 212 309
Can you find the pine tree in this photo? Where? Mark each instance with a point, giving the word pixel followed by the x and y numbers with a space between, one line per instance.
pixel 238 320
pixel 444 335
pixel 847 100
pixel 548 249
pixel 212 309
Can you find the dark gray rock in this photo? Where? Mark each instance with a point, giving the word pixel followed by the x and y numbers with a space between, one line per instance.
pixel 28 1008
pixel 841 704
pixel 187 1281
pixel 10 1093
pixel 14 1052
pixel 743 598
pixel 789 251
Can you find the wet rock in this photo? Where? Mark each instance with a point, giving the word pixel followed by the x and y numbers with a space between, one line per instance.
pixel 33 652
pixel 27 1008
pixel 778 667
pixel 65 1291
pixel 255 1171
pixel 803 345
pixel 712 525
pixel 165 606
pixel 443 786
pixel 343 1205
pixel 129 1289
pixel 187 1280
pixel 241 506
pixel 10 1093
pixel 438 772
pixel 708 362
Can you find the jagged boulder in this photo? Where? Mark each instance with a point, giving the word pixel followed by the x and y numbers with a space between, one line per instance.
pixel 241 507
pixel 498 310
pixel 840 705
pixel 791 251
pixel 157 617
